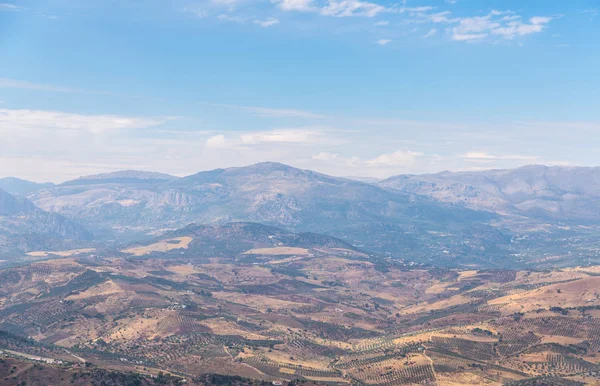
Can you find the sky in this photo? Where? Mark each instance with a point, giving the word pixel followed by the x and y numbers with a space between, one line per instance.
pixel 345 87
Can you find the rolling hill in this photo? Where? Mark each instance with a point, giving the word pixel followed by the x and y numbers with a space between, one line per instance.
pixel 240 240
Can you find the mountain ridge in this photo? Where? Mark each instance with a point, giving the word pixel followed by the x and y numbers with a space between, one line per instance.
pixel 26 228
pixel 18 186
pixel 539 191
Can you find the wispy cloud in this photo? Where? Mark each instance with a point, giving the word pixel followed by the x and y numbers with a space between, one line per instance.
pixel 18 84
pixel 592 13
pixel 398 158
pixel 268 112
pixel 216 142
pixel 283 136
pixel 384 165
pixel 197 11
pixel 383 42
pixel 296 5
pixel 345 8
pixel 267 23
pixel 233 18
pixel 430 33
pixel 25 85
pixel 503 24
pixel 334 8
pixel 483 156
pixel 9 7
pixel 13 120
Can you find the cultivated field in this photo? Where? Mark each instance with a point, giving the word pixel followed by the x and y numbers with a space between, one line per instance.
pixel 324 319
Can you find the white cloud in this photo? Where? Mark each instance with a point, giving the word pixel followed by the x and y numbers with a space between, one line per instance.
pixel 227 3
pixel 383 42
pixel 226 17
pixel 442 17
pixel 592 12
pixel 398 158
pixel 483 156
pixel 297 136
pixel 14 120
pixel 466 37
pixel 540 20
pixel 325 156
pixel 197 11
pixel 334 8
pixel 382 166
pixel 18 84
pixel 344 8
pixel 278 113
pixel 216 142
pixel 295 5
pixel 415 10
pixel 431 33
pixel 508 26
pixel 9 7
pixel 382 23
pixel 267 23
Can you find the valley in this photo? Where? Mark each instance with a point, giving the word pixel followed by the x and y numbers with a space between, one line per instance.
pixel 328 316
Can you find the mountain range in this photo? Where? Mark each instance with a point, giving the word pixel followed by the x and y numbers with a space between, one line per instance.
pixel 530 215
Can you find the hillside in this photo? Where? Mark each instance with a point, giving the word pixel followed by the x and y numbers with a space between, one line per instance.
pixel 25 228
pixel 18 186
pixel 240 240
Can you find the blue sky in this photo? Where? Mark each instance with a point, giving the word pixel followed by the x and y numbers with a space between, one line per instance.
pixel 346 87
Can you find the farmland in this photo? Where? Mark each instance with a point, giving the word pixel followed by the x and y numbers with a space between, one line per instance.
pixel 318 317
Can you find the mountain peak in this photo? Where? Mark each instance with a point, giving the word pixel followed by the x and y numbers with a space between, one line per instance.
pixel 267 167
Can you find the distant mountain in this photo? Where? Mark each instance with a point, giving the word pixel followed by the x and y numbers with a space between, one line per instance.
pixel 121 177
pixel 25 228
pixel 558 193
pixel 269 193
pixel 368 180
pixel 125 207
pixel 18 186
pixel 532 216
